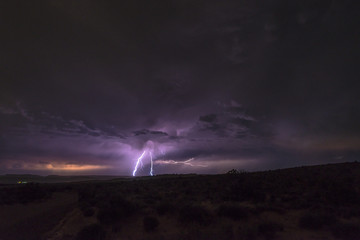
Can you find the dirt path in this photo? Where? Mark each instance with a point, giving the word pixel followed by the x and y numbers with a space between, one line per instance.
pixel 32 220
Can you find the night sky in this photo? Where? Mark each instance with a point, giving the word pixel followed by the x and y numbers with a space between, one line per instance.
pixel 206 86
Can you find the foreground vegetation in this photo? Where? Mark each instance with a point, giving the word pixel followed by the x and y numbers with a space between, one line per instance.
pixel 318 202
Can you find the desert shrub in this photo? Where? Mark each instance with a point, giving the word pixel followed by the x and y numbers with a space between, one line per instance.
pixel 336 192
pixel 346 231
pixel 268 229
pixel 88 212
pixel 86 209
pixel 247 232
pixel 31 192
pixel 116 228
pixel 315 221
pixel 85 193
pixel 8 196
pixel 150 198
pixel 116 209
pixel 164 208
pixel 348 212
pixel 269 208
pixel 247 188
pixel 205 233
pixel 189 192
pixel 25 193
pixel 194 214
pixel 233 171
pixel 233 212
pixel 226 232
pixel 108 216
pixel 93 232
pixel 150 223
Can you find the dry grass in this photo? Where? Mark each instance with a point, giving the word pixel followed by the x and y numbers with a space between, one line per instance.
pixel 286 204
pixel 33 219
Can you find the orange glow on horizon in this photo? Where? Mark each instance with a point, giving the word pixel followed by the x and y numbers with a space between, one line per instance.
pixel 73 167
pixel 62 167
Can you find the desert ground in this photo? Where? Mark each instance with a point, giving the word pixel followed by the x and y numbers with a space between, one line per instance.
pixel 314 202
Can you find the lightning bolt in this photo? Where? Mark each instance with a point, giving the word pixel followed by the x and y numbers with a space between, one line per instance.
pixel 137 163
pixel 187 162
pixel 151 166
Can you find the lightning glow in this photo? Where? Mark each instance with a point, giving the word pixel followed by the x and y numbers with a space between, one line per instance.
pixel 137 163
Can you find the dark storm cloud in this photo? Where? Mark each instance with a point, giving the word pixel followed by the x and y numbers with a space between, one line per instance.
pixel 146 131
pixel 208 118
pixel 201 83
